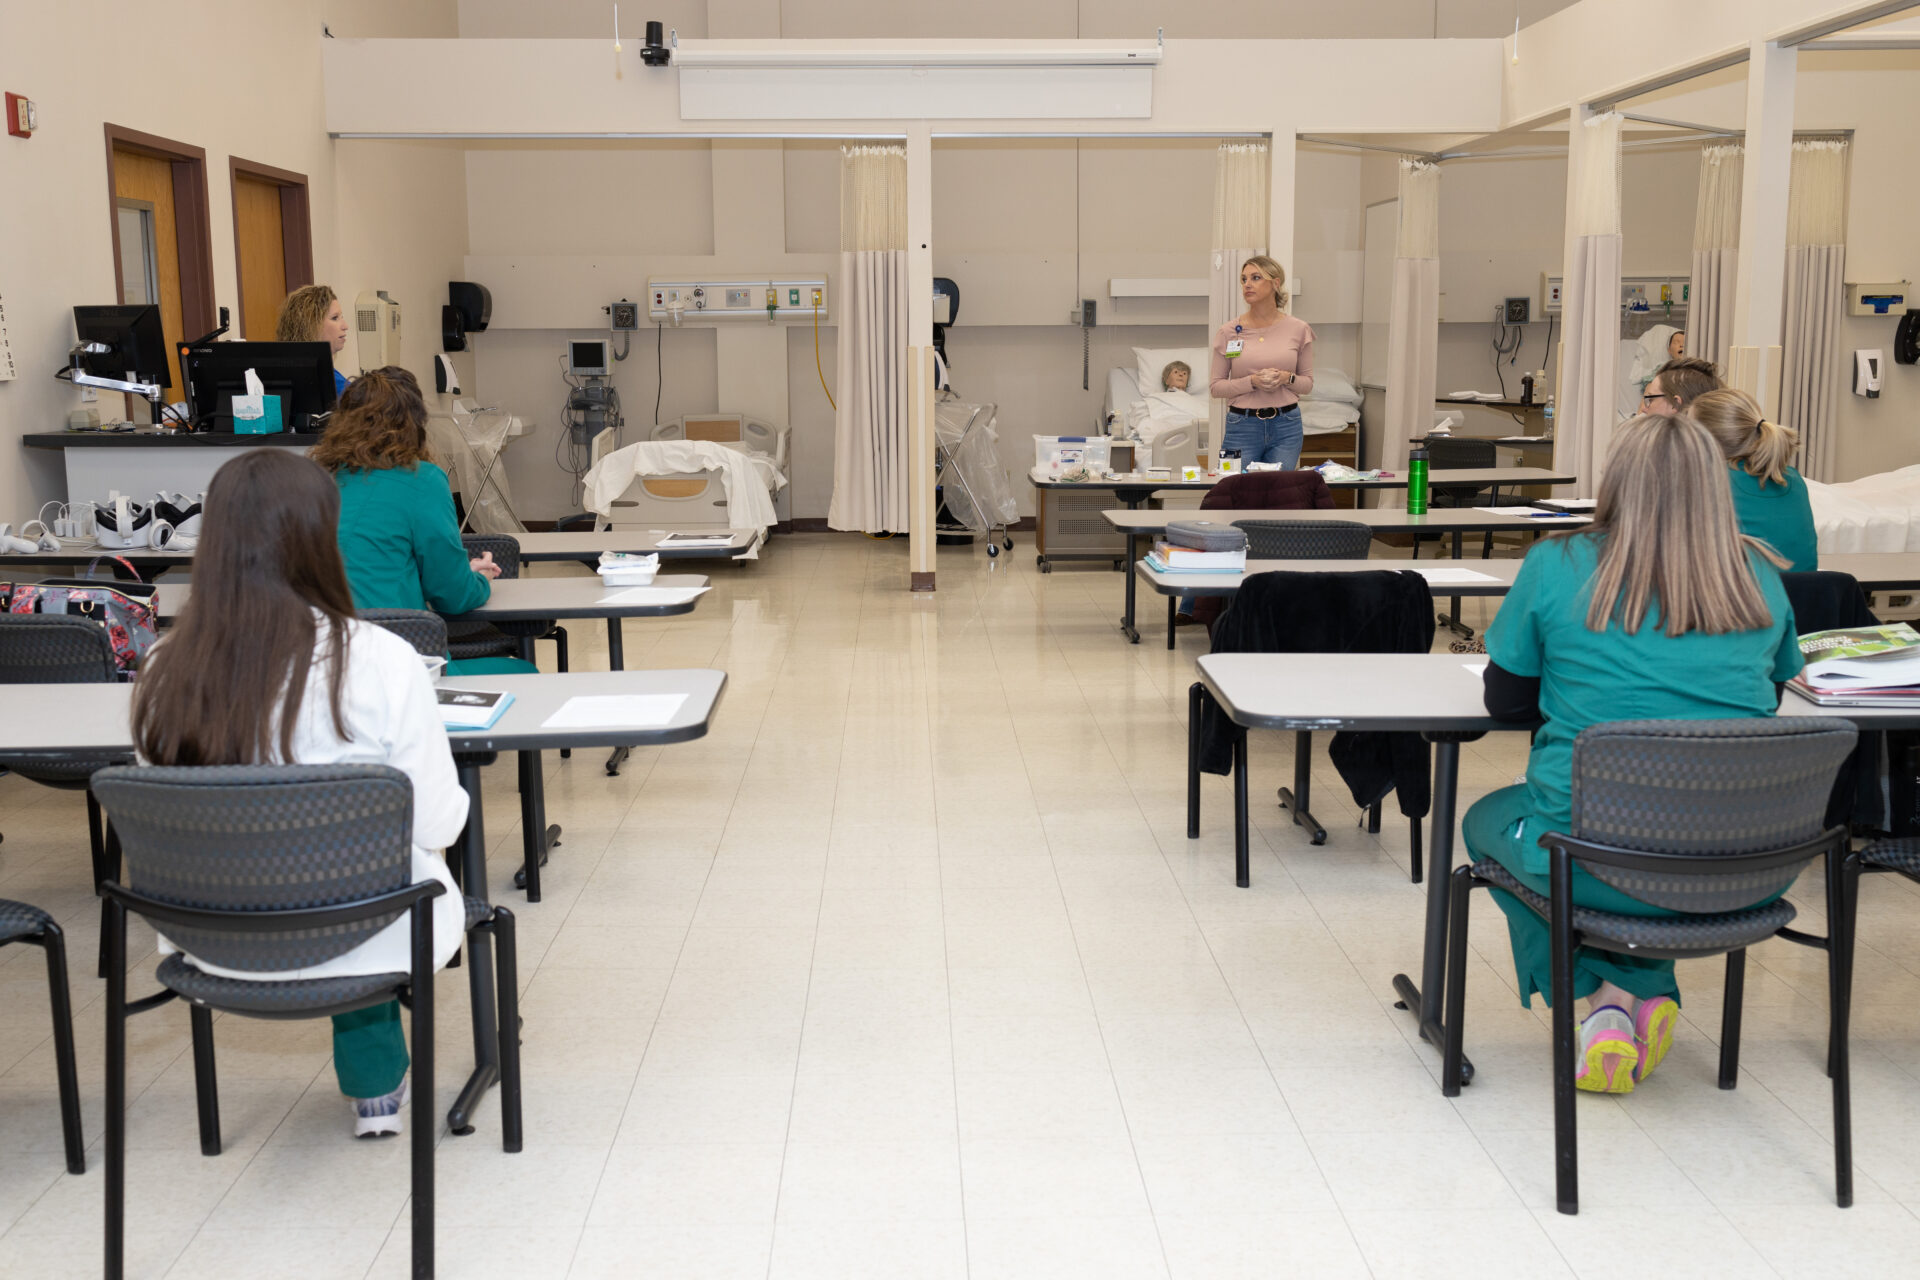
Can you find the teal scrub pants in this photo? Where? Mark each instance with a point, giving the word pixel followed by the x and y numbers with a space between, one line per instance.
pixel 1493 829
pixel 369 1050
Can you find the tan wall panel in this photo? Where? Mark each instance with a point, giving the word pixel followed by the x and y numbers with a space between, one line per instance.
pixel 618 198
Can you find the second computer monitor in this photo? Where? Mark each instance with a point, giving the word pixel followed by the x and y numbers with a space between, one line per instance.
pixel 300 373
pixel 136 347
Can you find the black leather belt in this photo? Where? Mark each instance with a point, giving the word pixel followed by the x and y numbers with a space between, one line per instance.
pixel 1260 413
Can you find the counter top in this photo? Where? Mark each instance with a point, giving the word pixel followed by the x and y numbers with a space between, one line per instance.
pixel 158 439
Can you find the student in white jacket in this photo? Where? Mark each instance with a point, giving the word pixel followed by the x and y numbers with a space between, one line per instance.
pixel 266 665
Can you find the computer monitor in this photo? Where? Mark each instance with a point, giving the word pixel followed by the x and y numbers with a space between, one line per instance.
pixel 300 373
pixel 137 349
pixel 589 358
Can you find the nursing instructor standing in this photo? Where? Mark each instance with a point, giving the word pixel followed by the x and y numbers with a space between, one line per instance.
pixel 1262 365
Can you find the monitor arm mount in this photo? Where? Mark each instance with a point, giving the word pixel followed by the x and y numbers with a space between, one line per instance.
pixel 153 391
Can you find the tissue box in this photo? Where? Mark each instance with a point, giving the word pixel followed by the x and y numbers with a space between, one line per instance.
pixel 265 423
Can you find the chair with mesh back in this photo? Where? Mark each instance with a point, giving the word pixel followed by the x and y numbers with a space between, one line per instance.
pixel 22 923
pixel 1452 453
pixel 481 639
pixel 57 649
pixel 427 633
pixel 1709 818
pixel 268 869
pixel 1306 539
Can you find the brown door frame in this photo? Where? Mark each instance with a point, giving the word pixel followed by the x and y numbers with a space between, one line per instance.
pixel 193 224
pixel 296 223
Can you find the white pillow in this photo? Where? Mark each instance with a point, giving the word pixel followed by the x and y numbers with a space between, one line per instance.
pixel 1149 361
pixel 1335 385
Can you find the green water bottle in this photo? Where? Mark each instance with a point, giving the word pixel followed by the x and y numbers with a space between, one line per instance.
pixel 1417 479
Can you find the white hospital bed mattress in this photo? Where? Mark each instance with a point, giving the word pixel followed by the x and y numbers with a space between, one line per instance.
pixel 1874 513
pixel 1317 416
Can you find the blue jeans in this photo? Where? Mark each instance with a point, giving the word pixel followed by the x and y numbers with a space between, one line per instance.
pixel 1276 439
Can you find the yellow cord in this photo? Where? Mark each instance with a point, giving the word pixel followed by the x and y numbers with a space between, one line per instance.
pixel 816 357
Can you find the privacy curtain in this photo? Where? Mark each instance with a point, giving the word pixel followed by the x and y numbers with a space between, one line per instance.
pixel 1810 356
pixel 1413 341
pixel 870 457
pixel 1716 245
pixel 1590 353
pixel 1241 185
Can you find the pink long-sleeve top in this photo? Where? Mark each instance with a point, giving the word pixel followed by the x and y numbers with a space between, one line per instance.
pixel 1286 344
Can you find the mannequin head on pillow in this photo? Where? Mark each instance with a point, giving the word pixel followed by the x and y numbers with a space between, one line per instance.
pixel 1176 376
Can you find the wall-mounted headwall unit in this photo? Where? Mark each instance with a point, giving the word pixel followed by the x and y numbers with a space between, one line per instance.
pixel 1637 293
pixel 893 80
pixel 683 301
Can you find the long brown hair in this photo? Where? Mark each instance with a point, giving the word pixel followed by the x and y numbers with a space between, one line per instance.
pixel 302 314
pixel 380 423
pixel 1761 448
pixel 236 663
pixel 1668 535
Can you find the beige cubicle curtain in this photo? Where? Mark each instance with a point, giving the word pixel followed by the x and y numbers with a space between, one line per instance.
pixel 870 458
pixel 1716 246
pixel 1413 336
pixel 1242 184
pixel 1590 353
pixel 1812 363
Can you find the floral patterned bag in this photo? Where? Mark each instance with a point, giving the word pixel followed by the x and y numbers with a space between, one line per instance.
pixel 130 611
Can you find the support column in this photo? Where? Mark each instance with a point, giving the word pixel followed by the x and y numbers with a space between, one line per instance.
pixel 920 535
pixel 1760 283
pixel 1280 198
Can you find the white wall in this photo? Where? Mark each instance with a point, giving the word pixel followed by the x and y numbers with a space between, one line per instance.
pixel 255 91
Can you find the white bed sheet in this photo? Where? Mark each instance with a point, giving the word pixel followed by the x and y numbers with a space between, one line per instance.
pixel 1317 417
pixel 1874 513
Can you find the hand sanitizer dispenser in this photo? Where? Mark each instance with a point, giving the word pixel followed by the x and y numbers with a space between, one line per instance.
pixel 1866 373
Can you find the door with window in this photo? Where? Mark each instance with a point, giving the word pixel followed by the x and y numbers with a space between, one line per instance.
pixel 162 251
pixel 273 242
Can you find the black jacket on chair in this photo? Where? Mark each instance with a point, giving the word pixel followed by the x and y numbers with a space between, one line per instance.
pixel 1381 611
pixel 1826 602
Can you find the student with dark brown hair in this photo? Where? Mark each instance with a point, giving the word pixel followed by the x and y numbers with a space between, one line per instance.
pixel 1676 384
pixel 398 531
pixel 267 664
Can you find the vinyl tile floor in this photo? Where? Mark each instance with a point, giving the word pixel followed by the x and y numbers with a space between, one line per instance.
pixel 909 969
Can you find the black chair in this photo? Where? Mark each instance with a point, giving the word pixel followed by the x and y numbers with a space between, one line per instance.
pixel 22 923
pixel 1306 539
pixel 1451 453
pixel 480 639
pixel 58 649
pixel 266 869
pixel 1707 817
pixel 427 633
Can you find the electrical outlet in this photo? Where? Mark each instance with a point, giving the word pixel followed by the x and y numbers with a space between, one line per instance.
pixel 626 315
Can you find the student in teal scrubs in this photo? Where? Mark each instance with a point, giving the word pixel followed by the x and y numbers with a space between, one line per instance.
pixel 1769 497
pixel 398 532
pixel 1586 636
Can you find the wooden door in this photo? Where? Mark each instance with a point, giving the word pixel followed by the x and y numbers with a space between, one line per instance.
pixel 149 180
pixel 260 239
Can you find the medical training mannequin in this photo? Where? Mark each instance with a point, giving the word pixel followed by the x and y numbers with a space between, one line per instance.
pixel 1176 376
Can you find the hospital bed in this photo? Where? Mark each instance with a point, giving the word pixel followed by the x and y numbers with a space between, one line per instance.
pixel 692 500
pixel 1330 416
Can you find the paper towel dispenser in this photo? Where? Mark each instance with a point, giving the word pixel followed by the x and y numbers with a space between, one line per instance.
pixel 474 303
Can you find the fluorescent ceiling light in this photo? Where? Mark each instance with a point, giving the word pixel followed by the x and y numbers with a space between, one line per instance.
pixel 705 54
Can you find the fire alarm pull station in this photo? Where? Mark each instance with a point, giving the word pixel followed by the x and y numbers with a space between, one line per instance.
pixel 22 116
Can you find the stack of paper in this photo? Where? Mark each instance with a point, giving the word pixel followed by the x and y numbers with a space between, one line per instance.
pixel 1861 666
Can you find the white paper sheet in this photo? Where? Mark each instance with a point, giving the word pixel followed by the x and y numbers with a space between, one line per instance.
pixel 1478 668
pixel 1570 504
pixel 1455 576
pixel 617 711
pixel 1534 512
pixel 653 595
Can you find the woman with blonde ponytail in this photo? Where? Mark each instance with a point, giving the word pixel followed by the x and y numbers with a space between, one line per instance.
pixel 1769 497
pixel 1659 610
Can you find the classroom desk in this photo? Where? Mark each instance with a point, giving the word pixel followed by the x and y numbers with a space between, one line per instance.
pixel 91 718
pixel 585 548
pixel 1446 520
pixel 1439 696
pixel 1497 577
pixel 1876 570
pixel 527 600
pixel 581 548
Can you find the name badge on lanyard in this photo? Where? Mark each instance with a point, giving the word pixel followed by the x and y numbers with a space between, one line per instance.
pixel 1234 347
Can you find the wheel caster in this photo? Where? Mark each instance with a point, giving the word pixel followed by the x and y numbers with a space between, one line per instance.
pixel 1008 543
pixel 1045 567
pixel 992 551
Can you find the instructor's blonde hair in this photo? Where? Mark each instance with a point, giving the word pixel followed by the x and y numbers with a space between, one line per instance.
pixel 1750 442
pixel 1668 535
pixel 1274 272
pixel 302 314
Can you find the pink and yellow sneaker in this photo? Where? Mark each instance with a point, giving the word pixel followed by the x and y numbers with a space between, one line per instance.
pixel 1653 1032
pixel 1609 1055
